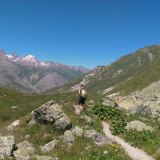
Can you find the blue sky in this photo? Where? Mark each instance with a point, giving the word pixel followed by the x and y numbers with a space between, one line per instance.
pixel 78 32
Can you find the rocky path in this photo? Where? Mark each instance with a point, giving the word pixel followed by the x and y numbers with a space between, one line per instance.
pixel 134 153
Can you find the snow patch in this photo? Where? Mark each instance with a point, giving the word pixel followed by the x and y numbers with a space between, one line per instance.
pixel 9 56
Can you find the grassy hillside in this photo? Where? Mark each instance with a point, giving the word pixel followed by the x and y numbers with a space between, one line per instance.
pixel 82 148
pixel 143 78
pixel 103 77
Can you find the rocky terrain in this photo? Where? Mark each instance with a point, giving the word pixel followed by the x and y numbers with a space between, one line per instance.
pixel 145 101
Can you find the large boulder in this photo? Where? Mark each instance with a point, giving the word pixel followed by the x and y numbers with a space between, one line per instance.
pixel 49 146
pixel 7 145
pixel 51 112
pixel 99 139
pixel 24 150
pixel 140 126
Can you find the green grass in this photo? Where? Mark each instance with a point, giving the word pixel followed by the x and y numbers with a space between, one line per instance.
pixel 141 79
pixel 82 148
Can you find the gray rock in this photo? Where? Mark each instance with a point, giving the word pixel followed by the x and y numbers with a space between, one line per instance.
pixel 90 133
pixel 51 112
pixel 25 149
pixel 140 126
pixel 77 131
pixel 87 118
pixel 23 158
pixel 32 122
pixel 44 158
pixel 7 145
pixel 14 107
pixel 99 139
pixel 27 136
pixel 142 109
pixel 107 102
pixel 68 137
pixel 15 123
pixel 49 146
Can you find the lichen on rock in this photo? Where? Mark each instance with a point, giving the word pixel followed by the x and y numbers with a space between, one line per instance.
pixel 140 126
pixel 49 146
pixel 51 112
pixel 7 145
pixel 68 137
pixel 24 150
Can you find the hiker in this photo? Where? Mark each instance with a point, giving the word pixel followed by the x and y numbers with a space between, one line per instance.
pixel 83 95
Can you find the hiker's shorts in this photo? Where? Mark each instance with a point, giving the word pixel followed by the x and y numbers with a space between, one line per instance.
pixel 81 100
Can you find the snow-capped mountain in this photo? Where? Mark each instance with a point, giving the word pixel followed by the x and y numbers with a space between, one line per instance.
pixel 30 60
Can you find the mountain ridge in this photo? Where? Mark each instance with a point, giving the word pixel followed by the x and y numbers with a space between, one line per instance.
pixel 31 60
pixel 102 78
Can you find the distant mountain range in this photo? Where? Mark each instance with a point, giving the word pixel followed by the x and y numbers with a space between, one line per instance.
pixel 28 74
pixel 30 60
pixel 113 78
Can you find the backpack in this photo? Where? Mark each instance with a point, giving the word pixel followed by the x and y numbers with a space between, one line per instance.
pixel 83 93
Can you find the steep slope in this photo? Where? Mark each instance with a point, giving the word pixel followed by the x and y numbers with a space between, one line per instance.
pixel 51 80
pixel 32 74
pixel 140 80
pixel 103 78
pixel 11 77
pixel 64 71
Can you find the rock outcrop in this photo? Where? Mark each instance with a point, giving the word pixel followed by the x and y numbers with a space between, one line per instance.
pixel 7 145
pixel 140 126
pixel 24 150
pixel 52 113
pixel 49 146
pixel 145 101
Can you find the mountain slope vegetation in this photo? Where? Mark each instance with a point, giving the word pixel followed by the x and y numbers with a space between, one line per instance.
pixel 102 78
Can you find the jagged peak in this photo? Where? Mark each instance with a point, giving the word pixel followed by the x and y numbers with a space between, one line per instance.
pixel 2 51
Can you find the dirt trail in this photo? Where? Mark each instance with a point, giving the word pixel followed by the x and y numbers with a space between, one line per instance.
pixel 77 109
pixel 134 153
